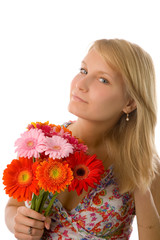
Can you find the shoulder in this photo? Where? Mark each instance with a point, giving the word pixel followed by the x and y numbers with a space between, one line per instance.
pixel 156 181
pixel 155 187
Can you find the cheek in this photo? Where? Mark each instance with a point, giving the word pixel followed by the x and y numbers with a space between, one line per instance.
pixel 72 86
pixel 110 100
pixel 74 82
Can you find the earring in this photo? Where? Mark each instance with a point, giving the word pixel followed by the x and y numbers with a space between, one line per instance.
pixel 127 118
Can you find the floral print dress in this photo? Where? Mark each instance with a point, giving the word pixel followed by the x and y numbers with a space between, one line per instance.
pixel 103 214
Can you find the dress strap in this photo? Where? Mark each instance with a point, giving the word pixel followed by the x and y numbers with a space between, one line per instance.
pixel 66 124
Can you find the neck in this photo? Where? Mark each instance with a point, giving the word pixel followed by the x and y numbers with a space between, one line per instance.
pixel 91 132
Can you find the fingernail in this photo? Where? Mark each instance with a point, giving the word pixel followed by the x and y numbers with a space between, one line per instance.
pixel 48 226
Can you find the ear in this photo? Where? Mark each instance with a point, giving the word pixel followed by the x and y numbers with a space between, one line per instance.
pixel 130 106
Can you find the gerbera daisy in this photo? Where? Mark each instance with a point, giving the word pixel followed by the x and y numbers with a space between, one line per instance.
pixel 77 143
pixel 19 179
pixel 87 171
pixel 58 147
pixel 31 143
pixel 54 175
pixel 46 128
pixel 58 129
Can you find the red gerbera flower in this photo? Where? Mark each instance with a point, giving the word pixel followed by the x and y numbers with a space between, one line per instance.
pixel 19 179
pixel 87 171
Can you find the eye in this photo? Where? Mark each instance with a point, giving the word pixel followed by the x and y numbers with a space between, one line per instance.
pixel 83 71
pixel 103 80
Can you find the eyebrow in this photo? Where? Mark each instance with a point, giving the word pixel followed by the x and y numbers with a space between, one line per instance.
pixel 100 72
pixel 105 73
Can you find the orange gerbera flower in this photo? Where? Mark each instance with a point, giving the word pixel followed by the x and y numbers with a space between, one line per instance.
pixel 54 175
pixel 19 179
pixel 58 128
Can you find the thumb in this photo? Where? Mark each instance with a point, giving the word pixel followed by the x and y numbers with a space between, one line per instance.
pixel 47 223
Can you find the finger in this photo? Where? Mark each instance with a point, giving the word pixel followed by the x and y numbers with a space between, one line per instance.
pixel 31 213
pixel 47 223
pixel 27 221
pixel 22 236
pixel 25 230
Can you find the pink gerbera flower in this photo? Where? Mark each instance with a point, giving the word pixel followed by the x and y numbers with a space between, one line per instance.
pixel 77 144
pixel 31 143
pixel 58 147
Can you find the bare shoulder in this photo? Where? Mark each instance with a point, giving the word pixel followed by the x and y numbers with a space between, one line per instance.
pixel 155 188
pixel 156 181
pixel 14 202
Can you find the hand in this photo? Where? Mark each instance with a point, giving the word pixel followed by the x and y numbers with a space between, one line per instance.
pixel 29 225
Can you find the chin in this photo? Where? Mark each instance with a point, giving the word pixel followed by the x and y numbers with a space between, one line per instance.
pixel 83 114
pixel 75 110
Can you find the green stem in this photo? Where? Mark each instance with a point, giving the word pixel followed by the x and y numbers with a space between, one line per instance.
pixel 50 204
pixel 39 200
pixel 33 202
pixel 45 195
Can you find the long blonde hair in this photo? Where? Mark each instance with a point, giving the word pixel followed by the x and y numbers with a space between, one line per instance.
pixel 131 144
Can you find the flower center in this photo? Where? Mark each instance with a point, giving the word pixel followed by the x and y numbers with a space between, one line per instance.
pixel 81 172
pixel 56 148
pixel 30 143
pixel 54 173
pixel 24 177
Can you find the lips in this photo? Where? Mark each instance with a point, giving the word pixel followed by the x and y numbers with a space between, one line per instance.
pixel 77 98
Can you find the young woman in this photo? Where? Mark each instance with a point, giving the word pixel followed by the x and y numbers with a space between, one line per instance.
pixel 114 98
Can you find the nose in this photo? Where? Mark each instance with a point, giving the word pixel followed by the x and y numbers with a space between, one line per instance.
pixel 82 84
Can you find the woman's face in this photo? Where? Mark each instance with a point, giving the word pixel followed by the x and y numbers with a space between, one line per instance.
pixel 97 91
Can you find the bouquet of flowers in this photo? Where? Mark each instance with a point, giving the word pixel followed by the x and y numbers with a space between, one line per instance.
pixel 49 160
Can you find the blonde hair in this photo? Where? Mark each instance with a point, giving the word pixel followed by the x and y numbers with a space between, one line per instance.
pixel 131 143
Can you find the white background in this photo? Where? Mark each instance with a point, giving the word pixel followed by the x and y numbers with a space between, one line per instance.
pixel 41 46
